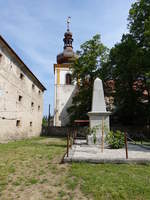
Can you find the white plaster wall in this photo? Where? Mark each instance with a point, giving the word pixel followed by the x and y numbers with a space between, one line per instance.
pixel 63 72
pixel 63 100
pixel 11 86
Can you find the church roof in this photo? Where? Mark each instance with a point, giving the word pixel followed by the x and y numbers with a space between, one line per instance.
pixel 68 55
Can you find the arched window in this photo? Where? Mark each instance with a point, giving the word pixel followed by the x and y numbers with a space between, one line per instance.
pixel 68 79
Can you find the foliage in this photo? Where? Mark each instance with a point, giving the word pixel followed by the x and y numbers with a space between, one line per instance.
pixel 45 121
pixel 139 22
pixel 129 67
pixel 115 139
pixel 92 131
pixel 85 69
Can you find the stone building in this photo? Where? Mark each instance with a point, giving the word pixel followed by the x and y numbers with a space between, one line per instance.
pixel 64 88
pixel 21 97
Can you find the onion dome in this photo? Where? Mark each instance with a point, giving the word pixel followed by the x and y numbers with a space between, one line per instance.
pixel 68 55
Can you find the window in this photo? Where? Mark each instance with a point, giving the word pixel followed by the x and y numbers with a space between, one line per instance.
pixel 68 79
pixel 30 123
pixel 38 108
pixel 33 86
pixel 0 57
pixel 39 92
pixel 20 98
pixel 21 76
pixel 32 104
pixel 18 123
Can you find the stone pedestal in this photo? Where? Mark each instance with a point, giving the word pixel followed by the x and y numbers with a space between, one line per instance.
pixel 96 121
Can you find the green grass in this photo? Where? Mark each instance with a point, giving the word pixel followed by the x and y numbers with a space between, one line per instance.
pixel 28 162
pixel 112 181
pixel 31 169
pixel 145 143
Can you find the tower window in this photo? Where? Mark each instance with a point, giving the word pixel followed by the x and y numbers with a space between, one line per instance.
pixel 21 76
pixel 18 123
pixel 31 124
pixel 39 92
pixel 38 108
pixel 20 98
pixel 32 104
pixel 68 79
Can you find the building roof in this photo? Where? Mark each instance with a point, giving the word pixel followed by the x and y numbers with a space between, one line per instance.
pixel 26 69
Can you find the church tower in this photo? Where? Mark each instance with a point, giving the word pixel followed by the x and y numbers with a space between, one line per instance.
pixel 64 88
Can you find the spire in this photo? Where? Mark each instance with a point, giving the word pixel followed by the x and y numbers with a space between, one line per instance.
pixel 68 55
pixel 68 23
pixel 68 36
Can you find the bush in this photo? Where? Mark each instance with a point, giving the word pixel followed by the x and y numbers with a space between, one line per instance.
pixel 115 139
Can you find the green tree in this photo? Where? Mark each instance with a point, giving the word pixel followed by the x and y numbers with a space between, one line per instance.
pixel 85 69
pixel 45 121
pixel 129 65
pixel 126 70
pixel 139 22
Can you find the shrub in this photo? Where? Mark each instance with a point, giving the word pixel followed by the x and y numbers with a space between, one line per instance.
pixel 92 131
pixel 115 139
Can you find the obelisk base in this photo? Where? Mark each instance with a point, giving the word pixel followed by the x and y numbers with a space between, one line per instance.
pixel 97 121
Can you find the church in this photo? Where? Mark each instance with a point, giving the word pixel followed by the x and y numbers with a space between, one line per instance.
pixel 64 87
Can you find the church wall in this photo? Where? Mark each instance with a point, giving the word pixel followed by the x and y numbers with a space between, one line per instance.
pixel 63 97
pixel 63 101
pixel 62 73
pixel 19 118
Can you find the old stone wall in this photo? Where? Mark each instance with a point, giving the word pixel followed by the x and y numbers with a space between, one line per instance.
pixel 21 100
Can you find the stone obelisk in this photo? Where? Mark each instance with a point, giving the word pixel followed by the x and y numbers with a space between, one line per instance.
pixel 98 113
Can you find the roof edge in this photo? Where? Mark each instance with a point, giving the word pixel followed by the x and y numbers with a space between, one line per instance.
pixel 30 72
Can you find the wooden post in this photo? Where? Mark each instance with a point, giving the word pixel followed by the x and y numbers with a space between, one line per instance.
pixel 126 144
pixel 67 144
pixel 73 134
pixel 76 132
pixel 71 139
pixel 102 146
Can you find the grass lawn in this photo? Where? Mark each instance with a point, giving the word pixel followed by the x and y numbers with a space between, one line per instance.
pixel 31 170
pixel 145 143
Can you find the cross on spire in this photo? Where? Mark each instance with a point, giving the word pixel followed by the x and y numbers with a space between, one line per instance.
pixel 68 23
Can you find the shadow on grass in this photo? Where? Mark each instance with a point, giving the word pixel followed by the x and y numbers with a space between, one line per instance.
pixel 56 145
pixel 54 136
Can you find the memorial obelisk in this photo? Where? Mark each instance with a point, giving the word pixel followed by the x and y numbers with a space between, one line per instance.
pixel 98 117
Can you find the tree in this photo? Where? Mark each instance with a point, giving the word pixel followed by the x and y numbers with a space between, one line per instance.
pixel 85 69
pixel 126 69
pixel 129 65
pixel 139 22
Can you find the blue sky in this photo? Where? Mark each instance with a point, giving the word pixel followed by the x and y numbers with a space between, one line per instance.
pixel 35 29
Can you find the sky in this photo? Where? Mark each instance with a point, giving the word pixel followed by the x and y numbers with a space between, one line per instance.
pixel 35 30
